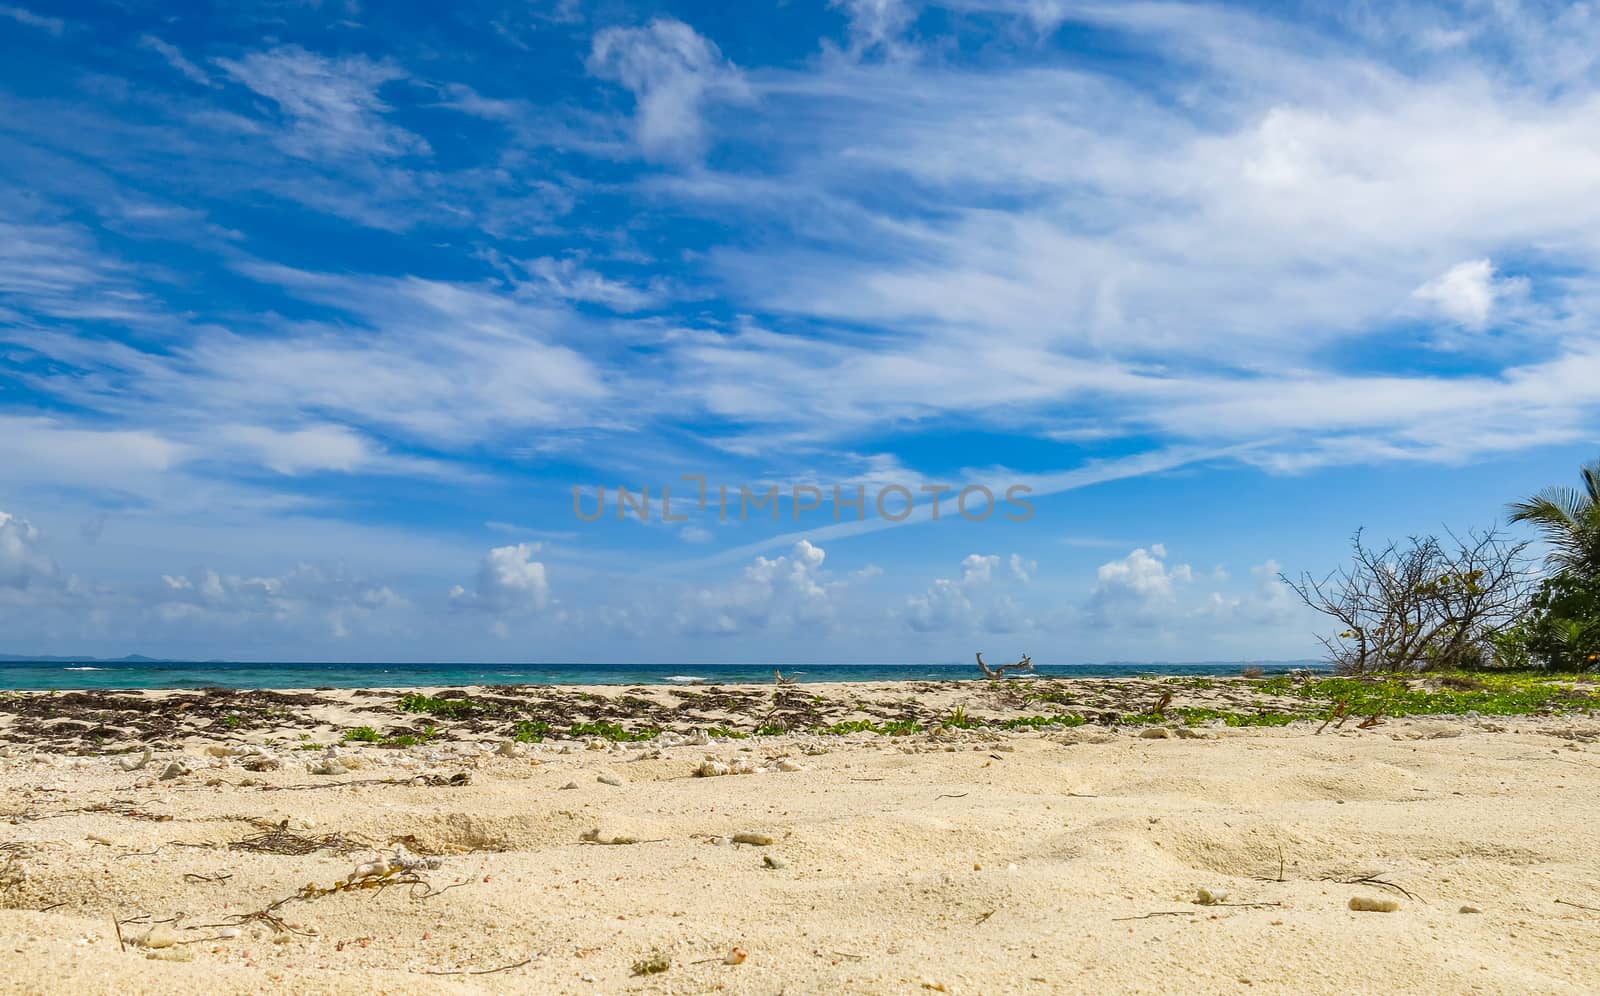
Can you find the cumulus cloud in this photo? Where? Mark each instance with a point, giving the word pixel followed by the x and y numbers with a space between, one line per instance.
pixel 672 71
pixel 510 582
pixel 978 569
pixel 943 605
pixel 23 563
pixel 333 601
pixel 1136 587
pixel 970 601
pixel 785 592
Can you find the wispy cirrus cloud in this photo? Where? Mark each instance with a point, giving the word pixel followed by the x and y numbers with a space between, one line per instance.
pixel 22 15
pixel 328 106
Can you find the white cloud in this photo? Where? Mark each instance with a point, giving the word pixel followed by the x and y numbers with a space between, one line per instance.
pixel 1464 293
pixel 53 25
pixel 1137 587
pixel 877 24
pixel 569 279
pixel 672 72
pixel 330 105
pixel 1268 569
pixel 971 602
pixel 308 600
pixel 509 582
pixel 23 564
pixel 426 360
pixel 978 569
pixel 787 592
pixel 943 606
pixel 174 57
pixel 320 447
pixel 1023 569
pixel 37 450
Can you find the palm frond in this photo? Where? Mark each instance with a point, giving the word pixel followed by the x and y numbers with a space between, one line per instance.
pixel 1556 509
pixel 1591 481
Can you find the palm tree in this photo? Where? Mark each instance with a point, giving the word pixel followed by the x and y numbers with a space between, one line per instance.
pixel 1570 521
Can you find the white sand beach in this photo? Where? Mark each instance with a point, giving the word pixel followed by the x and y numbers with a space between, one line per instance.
pixel 960 861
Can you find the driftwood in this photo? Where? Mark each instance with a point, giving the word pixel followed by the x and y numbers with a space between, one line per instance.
pixel 1025 664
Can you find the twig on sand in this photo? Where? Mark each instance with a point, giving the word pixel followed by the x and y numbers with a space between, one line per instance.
pixel 1249 906
pixel 334 785
pixel 1280 878
pixel 281 840
pixel 952 795
pixel 117 926
pixel 1338 713
pixel 984 917
pixel 1373 879
pixel 419 888
pixel 480 971
pixel 1579 906
pixel 1157 913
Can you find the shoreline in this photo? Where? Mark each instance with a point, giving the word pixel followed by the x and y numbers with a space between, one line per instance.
pixel 280 676
pixel 112 721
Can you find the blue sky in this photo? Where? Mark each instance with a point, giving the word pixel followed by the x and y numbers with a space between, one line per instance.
pixel 312 315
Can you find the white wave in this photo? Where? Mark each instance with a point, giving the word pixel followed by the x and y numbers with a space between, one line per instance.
pixel 687 679
pixel 83 669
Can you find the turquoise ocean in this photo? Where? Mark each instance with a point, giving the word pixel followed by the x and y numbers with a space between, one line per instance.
pixel 144 673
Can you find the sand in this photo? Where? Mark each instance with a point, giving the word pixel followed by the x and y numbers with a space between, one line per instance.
pixel 974 862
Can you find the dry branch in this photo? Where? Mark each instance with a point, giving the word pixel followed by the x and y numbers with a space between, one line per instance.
pixel 1025 664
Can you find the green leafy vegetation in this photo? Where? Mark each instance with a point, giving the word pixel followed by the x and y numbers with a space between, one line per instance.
pixel 368 735
pixel 1197 716
pixel 1560 630
pixel 1039 722
pixel 530 731
pixel 608 730
pixel 444 708
pixel 1051 695
pixel 1485 693
pixel 889 728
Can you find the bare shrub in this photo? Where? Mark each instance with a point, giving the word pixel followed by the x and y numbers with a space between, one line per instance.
pixel 1424 603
